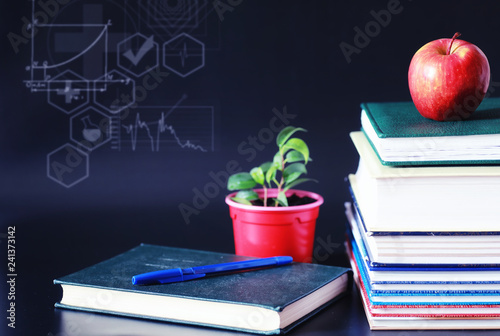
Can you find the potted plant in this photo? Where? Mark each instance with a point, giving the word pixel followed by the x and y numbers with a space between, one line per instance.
pixel 269 217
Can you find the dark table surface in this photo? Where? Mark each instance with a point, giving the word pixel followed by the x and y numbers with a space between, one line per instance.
pixel 49 246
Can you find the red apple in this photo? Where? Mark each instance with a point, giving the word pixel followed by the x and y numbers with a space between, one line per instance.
pixel 448 79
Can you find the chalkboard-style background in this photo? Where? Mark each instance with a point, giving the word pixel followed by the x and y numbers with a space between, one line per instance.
pixel 121 120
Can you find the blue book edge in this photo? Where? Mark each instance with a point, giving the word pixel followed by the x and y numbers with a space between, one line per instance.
pixel 374 293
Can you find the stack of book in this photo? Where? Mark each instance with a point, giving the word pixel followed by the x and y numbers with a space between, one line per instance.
pixel 424 222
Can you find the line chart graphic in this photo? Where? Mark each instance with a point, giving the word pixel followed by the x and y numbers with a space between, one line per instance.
pixel 79 38
pixel 158 128
pixel 46 66
pixel 155 139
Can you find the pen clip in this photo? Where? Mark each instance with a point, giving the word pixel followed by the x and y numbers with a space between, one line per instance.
pixel 165 276
pixel 182 277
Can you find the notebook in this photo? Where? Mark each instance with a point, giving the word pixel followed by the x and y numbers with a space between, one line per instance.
pixel 265 301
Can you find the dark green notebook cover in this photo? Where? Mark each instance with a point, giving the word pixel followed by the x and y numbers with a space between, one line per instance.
pixel 401 119
pixel 272 288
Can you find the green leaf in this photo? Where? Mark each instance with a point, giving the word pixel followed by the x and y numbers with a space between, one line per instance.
pixel 293 172
pixel 241 200
pixel 271 174
pixel 258 175
pixel 248 195
pixel 296 182
pixel 286 133
pixel 294 156
pixel 278 161
pixel 265 166
pixel 299 145
pixel 240 181
pixel 282 198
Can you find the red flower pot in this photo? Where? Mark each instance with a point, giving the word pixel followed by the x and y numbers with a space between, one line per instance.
pixel 272 231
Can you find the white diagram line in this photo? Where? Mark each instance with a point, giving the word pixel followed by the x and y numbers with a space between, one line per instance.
pixel 104 31
pixel 41 84
pixel 71 25
pixel 162 127
pixel 184 97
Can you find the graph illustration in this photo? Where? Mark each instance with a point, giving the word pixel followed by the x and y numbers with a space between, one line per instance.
pixel 165 128
pixel 80 38
pixel 47 65
pixel 97 62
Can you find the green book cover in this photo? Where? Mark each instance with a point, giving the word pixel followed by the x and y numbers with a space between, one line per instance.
pixel 401 119
pixel 266 301
pixel 400 136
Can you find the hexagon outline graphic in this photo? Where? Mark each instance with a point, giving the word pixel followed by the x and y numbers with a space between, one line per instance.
pixel 94 126
pixel 149 43
pixel 68 91
pixel 109 78
pixel 59 180
pixel 183 54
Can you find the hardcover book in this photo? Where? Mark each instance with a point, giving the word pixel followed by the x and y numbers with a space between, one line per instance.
pixel 443 293
pixel 401 136
pixel 422 315
pixel 432 248
pixel 265 301
pixel 424 199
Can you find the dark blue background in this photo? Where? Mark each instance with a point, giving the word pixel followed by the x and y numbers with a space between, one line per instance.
pixel 266 55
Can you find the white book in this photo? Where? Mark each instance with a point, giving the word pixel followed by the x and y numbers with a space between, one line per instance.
pixel 429 249
pixel 382 277
pixel 424 199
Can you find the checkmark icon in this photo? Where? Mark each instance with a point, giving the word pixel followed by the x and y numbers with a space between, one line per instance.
pixel 143 50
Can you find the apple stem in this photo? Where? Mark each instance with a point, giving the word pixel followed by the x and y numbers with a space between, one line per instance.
pixel 457 34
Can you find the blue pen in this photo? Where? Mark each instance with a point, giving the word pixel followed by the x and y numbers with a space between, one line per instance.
pixel 178 274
